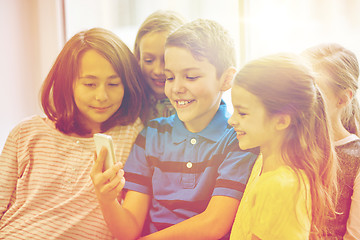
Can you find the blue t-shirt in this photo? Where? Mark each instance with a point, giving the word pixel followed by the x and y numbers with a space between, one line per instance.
pixel 183 170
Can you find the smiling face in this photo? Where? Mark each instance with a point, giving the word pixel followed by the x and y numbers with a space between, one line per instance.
pixel 250 120
pixel 98 91
pixel 192 87
pixel 151 61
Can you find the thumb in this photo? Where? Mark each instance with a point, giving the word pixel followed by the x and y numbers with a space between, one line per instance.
pixel 99 161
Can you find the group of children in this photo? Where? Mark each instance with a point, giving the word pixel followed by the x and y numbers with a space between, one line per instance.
pixel 285 165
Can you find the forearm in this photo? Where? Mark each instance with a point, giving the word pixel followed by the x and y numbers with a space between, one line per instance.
pixel 213 223
pixel 197 227
pixel 120 221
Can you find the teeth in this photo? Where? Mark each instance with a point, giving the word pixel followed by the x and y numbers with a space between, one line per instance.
pixel 183 102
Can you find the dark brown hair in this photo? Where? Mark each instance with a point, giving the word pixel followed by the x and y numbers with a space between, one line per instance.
pixel 57 91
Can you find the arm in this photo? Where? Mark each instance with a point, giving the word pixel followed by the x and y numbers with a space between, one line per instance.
pixel 9 174
pixel 213 223
pixel 353 223
pixel 124 221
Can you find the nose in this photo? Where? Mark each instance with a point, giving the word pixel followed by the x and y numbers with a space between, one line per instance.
pixel 232 121
pixel 101 94
pixel 178 86
pixel 159 67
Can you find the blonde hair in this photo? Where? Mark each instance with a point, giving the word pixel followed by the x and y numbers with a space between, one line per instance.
pixel 342 67
pixel 158 21
pixel 285 85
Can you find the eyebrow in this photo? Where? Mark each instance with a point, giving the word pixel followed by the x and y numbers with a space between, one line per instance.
pixel 240 107
pixel 185 70
pixel 94 77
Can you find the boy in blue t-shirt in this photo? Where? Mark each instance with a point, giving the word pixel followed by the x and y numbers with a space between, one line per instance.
pixel 185 175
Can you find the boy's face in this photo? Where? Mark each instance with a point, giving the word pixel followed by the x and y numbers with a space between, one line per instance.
pixel 192 87
pixel 151 61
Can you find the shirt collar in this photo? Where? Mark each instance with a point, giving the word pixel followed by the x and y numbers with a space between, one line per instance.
pixel 212 132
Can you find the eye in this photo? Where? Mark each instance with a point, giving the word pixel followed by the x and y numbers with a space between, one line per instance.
pixel 192 77
pixel 148 60
pixel 114 84
pixel 169 78
pixel 242 114
pixel 90 84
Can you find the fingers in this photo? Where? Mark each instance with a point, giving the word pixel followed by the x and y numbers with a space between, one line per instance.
pixel 99 161
pixel 115 184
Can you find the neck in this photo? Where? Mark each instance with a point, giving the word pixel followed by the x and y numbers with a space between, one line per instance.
pixel 272 161
pixel 272 155
pixel 338 130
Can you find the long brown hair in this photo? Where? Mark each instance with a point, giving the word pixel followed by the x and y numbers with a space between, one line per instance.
pixel 285 85
pixel 157 22
pixel 57 91
pixel 342 67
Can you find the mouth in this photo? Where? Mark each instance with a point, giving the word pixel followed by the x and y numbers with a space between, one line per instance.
pixel 240 133
pixel 100 109
pixel 183 103
pixel 160 82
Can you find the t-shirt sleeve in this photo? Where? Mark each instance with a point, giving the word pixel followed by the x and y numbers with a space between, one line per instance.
pixel 9 172
pixel 279 209
pixel 234 172
pixel 138 171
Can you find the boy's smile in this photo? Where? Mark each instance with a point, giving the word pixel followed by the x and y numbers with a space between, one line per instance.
pixel 192 87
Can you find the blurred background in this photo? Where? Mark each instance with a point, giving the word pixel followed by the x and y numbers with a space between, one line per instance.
pixel 34 31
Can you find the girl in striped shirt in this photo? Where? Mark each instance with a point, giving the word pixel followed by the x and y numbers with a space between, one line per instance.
pixel 95 85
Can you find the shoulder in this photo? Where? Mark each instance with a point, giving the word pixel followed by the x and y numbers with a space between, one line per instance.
pixel 161 125
pixel 30 124
pixel 282 181
pixel 350 150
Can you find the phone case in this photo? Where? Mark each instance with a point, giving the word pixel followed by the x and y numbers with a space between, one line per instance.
pixel 105 140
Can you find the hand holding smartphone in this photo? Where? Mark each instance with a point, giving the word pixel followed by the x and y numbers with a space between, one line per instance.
pixel 103 140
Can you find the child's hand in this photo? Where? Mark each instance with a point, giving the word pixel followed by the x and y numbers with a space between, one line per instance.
pixel 107 184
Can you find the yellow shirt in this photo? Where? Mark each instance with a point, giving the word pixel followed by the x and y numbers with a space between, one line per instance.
pixel 274 206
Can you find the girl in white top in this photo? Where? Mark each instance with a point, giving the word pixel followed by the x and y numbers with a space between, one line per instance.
pixel 338 78
pixel 46 191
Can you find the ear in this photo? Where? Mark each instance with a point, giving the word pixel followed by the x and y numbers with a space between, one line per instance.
pixel 226 78
pixel 344 98
pixel 282 121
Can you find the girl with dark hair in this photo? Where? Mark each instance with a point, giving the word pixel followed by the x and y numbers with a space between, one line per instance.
pixel 95 85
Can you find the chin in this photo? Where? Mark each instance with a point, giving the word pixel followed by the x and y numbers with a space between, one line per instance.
pixel 244 146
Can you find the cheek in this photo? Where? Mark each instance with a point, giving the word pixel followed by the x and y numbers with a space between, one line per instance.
pixel 118 95
pixel 167 89
pixel 146 69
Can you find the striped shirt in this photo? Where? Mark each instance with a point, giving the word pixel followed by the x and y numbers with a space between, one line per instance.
pixel 45 187
pixel 182 170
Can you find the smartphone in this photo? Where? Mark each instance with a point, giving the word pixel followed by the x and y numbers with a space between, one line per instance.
pixel 106 141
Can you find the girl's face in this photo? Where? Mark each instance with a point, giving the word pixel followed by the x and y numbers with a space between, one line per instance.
pixel 98 91
pixel 151 61
pixel 250 120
